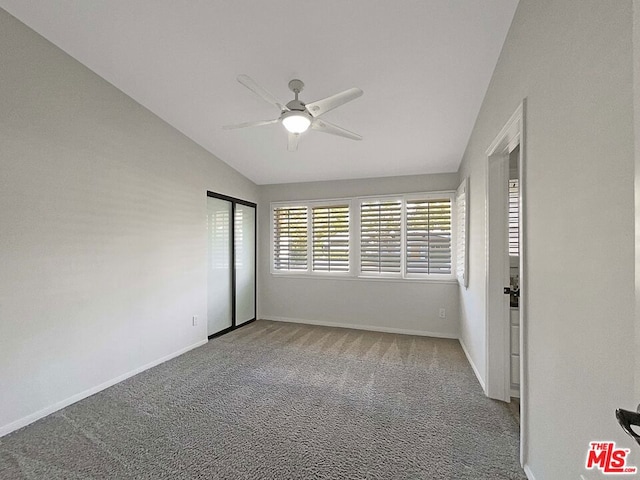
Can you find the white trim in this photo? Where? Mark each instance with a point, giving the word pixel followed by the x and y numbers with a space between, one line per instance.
pixel 509 136
pixel 497 268
pixel 371 328
pixel 24 421
pixel 529 473
pixel 381 278
pixel 524 297
pixel 473 365
pixel 497 345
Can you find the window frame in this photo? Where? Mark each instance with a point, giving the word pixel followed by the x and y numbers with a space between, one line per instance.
pixel 382 198
pixel 272 246
pixel 462 274
pixel 310 205
pixel 311 237
pixel 354 272
pixel 451 276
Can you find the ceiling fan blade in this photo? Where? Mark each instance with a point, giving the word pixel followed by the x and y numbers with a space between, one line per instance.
pixel 326 127
pixel 292 146
pixel 251 84
pixel 250 124
pixel 323 106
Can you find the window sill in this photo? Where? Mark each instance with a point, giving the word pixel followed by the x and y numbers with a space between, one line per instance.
pixel 364 278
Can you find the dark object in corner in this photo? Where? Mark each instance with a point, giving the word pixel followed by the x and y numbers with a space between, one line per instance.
pixel 626 418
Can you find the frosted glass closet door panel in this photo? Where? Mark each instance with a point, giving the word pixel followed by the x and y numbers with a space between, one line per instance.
pixel 245 240
pixel 219 306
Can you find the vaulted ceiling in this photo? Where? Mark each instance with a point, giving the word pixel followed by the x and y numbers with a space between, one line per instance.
pixel 424 66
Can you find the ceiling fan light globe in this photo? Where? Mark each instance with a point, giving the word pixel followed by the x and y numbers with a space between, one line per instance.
pixel 296 123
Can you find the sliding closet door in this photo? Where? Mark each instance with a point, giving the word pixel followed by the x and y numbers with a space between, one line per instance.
pixel 245 263
pixel 231 270
pixel 219 274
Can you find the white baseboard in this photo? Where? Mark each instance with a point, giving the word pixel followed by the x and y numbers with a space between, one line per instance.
pixel 473 366
pixel 528 472
pixel 24 421
pixel 371 328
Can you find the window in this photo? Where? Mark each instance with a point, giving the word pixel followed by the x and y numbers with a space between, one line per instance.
pixel 331 238
pixel 462 204
pixel 428 237
pixel 290 238
pixel 399 236
pixel 311 237
pixel 381 237
pixel 514 216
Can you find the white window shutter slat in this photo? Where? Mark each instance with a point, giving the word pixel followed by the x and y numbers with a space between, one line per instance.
pixel 380 237
pixel 290 239
pixel 428 236
pixel 462 206
pixel 330 226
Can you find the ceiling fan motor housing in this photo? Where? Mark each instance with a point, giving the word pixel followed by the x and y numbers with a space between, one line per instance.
pixel 296 106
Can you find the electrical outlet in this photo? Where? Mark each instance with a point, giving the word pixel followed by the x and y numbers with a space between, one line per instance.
pixel 442 313
pixel 194 320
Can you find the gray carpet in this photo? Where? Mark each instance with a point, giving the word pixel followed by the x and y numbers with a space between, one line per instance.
pixel 282 401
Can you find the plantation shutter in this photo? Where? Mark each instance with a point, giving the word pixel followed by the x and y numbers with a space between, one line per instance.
pixel 514 215
pixel 331 238
pixel 290 238
pixel 428 244
pixel 381 236
pixel 461 233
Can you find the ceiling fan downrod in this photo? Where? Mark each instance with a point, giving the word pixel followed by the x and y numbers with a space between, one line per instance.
pixel 296 86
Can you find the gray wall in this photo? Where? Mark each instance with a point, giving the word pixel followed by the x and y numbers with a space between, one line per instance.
pixel 572 61
pixel 636 117
pixel 379 304
pixel 102 229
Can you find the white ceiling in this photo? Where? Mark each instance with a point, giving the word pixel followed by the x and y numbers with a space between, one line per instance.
pixel 424 66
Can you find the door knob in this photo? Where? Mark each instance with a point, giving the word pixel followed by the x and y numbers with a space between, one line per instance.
pixel 512 291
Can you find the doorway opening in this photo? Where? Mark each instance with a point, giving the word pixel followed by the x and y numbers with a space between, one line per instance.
pixel 506 273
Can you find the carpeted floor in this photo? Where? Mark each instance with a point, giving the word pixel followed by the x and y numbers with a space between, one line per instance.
pixel 282 401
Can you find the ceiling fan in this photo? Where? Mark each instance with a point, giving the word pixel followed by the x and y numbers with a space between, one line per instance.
pixel 297 116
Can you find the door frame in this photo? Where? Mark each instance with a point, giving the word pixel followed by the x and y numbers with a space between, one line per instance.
pixel 232 240
pixel 498 381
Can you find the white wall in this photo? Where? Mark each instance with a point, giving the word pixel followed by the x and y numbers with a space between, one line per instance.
pixel 383 305
pixel 102 229
pixel 572 60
